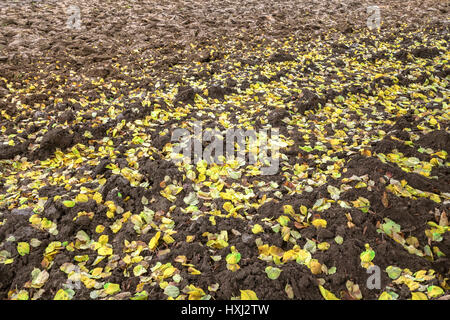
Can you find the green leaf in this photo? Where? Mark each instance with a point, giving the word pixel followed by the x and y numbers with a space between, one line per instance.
pixel 339 99
pixel 367 256
pixel 411 162
pixel 39 278
pixel 21 295
pixel 139 270
pixel 306 148
pixel 393 272
pixel 233 258
pixel 339 239
pixel 276 228
pixel 273 273
pixel 332 270
pixel 334 192
pixel 191 199
pixel 390 226
pixel 23 248
pixel 82 236
pixel 172 291
pixel 143 295
pixel 216 258
pixel 177 278
pixel 69 203
pixel 283 220
pixel 310 246
pixel 95 294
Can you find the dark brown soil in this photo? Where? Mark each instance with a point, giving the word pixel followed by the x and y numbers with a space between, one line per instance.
pixel 91 112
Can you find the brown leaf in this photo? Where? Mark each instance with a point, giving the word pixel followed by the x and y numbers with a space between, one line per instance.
pixel 443 221
pixel 384 200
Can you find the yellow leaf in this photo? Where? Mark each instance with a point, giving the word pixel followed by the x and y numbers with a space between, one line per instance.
pixel 264 249
pixel 289 255
pixel 103 239
pixel 154 241
pixel 334 142
pixel 105 251
pixel 319 223
pixel 257 229
pixel 434 291
pixel 303 210
pixel 111 288
pixel 111 205
pixel 418 296
pixel 419 275
pixel 275 251
pixel 435 198
pixel 303 257
pixel 248 295
pixel 21 295
pixel 96 272
pixel 169 272
pixel 168 239
pixel 385 296
pixel 327 294
pixel 233 267
pixel 194 271
pixel 323 246
pixel 288 209
pixel 180 259
pixel 315 266
pixel 228 206
pixel 82 198
pixel 61 295
pixel 195 293
pixel 23 248
pixel 88 283
pixel 97 197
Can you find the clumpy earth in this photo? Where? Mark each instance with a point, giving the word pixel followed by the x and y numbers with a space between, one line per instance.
pixel 93 205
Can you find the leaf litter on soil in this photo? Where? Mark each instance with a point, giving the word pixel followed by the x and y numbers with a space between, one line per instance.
pixel 93 207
